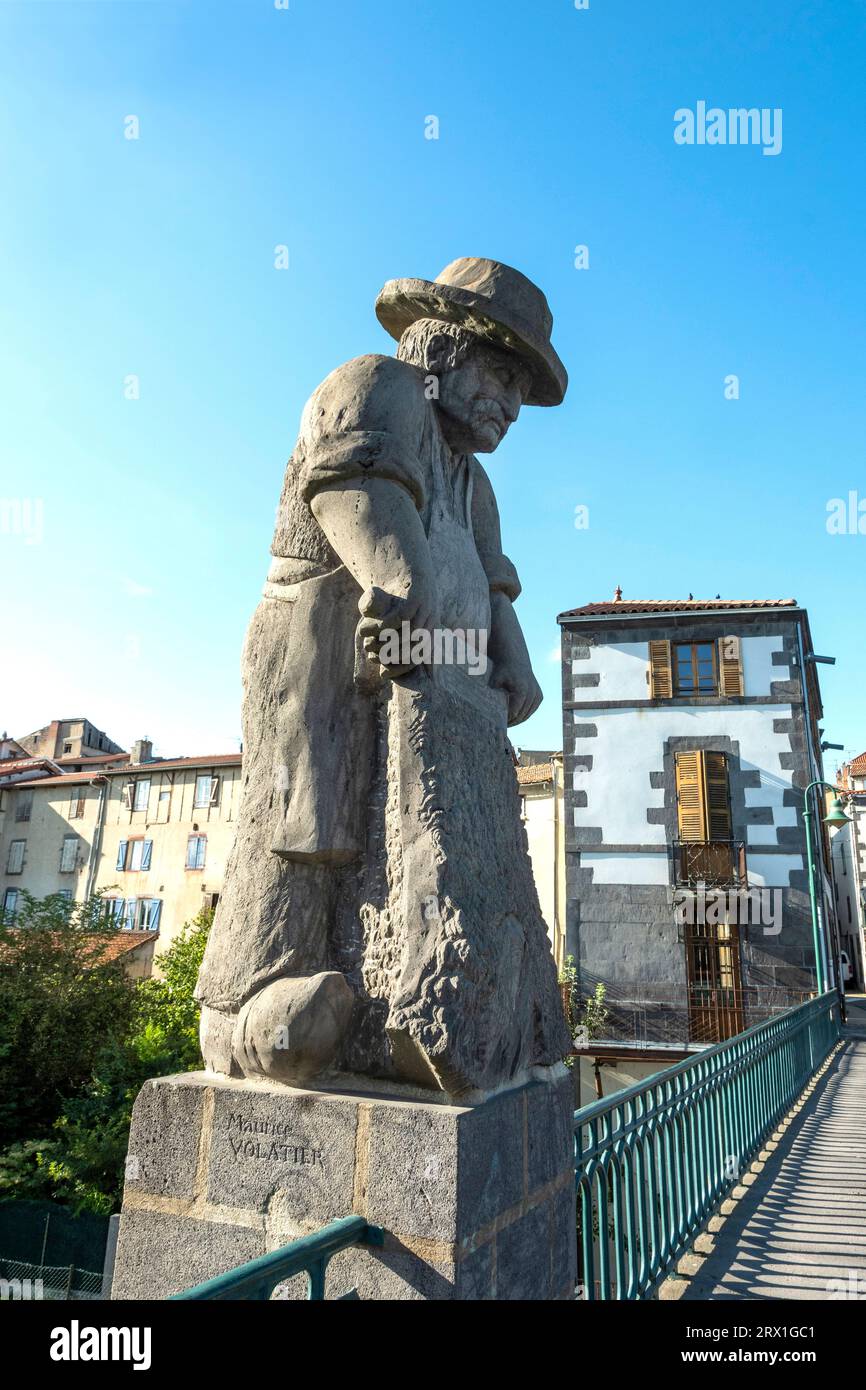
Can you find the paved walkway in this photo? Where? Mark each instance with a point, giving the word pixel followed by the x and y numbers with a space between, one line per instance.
pixel 799 1230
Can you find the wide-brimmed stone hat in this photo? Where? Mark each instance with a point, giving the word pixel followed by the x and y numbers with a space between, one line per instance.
pixel 492 300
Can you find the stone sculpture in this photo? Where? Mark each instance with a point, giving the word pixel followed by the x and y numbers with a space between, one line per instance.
pixel 379 915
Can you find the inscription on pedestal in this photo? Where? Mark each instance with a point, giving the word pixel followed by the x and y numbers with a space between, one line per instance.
pixel 276 1144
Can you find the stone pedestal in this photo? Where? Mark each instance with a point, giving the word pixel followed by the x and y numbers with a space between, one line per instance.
pixel 477 1202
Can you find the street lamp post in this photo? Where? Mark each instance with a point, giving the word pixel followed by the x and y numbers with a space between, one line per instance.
pixel 836 816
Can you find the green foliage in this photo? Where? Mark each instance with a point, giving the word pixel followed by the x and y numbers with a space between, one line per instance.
pixel 568 972
pixel 61 1003
pixel 80 1161
pixel 595 1012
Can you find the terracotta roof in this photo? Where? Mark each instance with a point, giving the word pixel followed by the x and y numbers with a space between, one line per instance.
pixel 10 766
pixel 97 759
pixel 537 772
pixel 633 607
pixel 119 944
pixel 856 767
pixel 68 779
pixel 125 941
pixel 166 764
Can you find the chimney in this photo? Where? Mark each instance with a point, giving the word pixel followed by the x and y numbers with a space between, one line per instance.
pixel 142 751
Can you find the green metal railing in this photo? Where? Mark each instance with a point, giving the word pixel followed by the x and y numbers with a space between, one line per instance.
pixel 653 1161
pixel 308 1255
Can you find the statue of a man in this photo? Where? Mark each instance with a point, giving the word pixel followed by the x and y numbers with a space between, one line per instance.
pixel 379 915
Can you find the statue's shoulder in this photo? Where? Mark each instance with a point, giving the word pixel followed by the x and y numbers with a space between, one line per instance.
pixel 373 392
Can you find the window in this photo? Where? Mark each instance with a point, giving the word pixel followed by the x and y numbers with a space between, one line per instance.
pixel 694 668
pixel 23 805
pixel 133 856
pixel 69 854
pixel 113 911
pixel 15 862
pixel 76 804
pixel 133 914
pixel 66 894
pixel 196 847
pixel 713 667
pixel 142 794
pixel 10 903
pixel 705 851
pixel 67 748
pixel 147 914
pixel 206 791
pixel 703 807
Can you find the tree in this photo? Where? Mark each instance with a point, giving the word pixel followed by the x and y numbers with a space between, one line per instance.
pixel 62 1001
pixel 79 1160
pixel 85 1159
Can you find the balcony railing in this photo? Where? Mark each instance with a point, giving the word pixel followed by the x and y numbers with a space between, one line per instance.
pixel 668 1015
pixel 711 863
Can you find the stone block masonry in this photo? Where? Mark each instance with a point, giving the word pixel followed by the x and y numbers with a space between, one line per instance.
pixel 477 1202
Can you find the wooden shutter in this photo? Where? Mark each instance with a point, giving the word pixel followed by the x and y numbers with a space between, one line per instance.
pixel 718 808
pixel 690 796
pixel 703 804
pixel 730 666
pixel 661 682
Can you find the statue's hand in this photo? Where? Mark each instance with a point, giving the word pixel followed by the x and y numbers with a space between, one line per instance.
pixel 512 668
pixel 385 612
pixel 521 687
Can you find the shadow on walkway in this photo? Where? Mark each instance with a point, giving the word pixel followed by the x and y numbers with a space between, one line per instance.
pixel 800 1232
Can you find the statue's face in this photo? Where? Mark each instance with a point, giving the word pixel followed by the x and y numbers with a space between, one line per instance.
pixel 480 398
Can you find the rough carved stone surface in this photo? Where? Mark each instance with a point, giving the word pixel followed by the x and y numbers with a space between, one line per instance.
pixel 379 837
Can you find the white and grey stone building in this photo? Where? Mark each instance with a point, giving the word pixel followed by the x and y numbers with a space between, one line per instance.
pixel 690 732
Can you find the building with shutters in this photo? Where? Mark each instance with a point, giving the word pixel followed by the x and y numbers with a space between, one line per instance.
pixel 152 835
pixel 690 731
pixel 848 845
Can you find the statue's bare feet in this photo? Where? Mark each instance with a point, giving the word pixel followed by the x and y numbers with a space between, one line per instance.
pixel 292 1029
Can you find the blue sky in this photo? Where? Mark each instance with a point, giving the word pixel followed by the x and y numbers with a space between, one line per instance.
pixel 128 590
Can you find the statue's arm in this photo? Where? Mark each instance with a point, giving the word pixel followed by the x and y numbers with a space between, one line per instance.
pixel 374 526
pixel 360 472
pixel 507 650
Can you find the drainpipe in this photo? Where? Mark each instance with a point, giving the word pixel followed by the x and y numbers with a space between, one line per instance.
pixel 822 971
pixel 557 769
pixel 96 843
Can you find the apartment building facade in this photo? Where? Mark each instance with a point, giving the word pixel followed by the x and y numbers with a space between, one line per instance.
pixel 68 738
pixel 690 733
pixel 848 846
pixel 540 781
pixel 152 836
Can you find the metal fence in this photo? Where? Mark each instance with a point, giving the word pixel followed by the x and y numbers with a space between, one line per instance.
pixel 22 1281
pixel 653 1161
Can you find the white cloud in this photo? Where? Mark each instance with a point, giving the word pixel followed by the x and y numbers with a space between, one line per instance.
pixel 134 589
